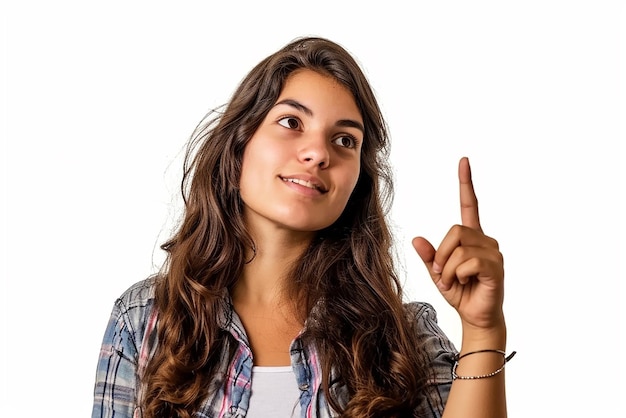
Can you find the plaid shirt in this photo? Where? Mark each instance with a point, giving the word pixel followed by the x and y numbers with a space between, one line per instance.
pixel 130 335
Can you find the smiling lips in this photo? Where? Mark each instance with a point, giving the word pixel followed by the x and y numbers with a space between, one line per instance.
pixel 305 183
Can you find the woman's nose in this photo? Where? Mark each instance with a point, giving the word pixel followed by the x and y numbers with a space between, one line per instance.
pixel 315 151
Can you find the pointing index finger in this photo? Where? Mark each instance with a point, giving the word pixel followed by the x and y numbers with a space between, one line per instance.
pixel 469 203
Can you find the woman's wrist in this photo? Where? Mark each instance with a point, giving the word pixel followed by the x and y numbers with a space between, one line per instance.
pixel 478 338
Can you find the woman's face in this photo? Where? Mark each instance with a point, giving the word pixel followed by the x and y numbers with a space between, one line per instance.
pixel 303 162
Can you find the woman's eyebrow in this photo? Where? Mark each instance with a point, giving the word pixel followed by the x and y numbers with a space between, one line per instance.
pixel 297 105
pixel 347 123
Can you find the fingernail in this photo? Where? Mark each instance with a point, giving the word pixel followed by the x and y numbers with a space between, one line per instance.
pixel 436 268
pixel 441 285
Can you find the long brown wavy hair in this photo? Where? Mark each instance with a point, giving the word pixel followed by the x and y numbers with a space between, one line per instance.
pixel 345 280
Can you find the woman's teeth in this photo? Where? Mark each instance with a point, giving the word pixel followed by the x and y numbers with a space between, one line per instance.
pixel 302 183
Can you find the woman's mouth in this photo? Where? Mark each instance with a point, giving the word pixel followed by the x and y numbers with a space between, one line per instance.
pixel 304 183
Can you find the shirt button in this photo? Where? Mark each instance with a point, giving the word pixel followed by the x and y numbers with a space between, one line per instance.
pixel 304 387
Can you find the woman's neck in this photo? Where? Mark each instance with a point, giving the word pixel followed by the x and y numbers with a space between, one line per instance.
pixel 271 260
pixel 270 319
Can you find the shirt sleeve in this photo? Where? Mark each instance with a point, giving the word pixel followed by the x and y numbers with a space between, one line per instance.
pixel 116 373
pixel 441 354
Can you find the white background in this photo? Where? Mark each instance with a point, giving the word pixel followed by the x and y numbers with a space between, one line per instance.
pixel 99 98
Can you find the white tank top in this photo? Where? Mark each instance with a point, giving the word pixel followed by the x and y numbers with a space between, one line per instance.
pixel 274 394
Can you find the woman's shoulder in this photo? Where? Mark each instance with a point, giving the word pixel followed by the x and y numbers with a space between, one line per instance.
pixel 134 307
pixel 424 318
pixel 130 322
pixel 433 340
pixel 138 294
pixel 420 310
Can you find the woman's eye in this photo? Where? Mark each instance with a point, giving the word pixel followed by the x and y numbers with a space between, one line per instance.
pixel 345 141
pixel 289 122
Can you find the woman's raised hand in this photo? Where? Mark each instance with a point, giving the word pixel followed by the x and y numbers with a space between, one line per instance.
pixel 467 267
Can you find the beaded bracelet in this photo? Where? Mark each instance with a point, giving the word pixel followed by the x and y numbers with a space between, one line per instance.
pixel 482 376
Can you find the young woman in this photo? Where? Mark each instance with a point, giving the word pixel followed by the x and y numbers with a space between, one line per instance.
pixel 279 295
